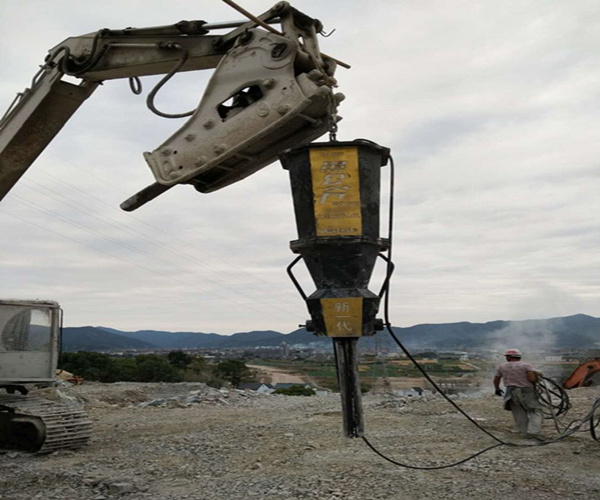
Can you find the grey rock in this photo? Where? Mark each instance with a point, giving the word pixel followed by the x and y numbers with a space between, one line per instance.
pixel 120 488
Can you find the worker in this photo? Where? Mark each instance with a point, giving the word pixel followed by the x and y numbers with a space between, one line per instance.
pixel 520 397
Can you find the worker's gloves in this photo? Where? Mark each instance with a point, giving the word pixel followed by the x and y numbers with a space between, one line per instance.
pixel 499 392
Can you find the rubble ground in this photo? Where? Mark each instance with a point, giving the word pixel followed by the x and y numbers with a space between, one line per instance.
pixel 188 441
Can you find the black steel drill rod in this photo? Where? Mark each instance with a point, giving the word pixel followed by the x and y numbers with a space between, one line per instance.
pixel 347 371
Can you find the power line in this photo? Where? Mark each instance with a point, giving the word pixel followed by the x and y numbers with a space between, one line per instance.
pixel 46 228
pixel 155 228
pixel 171 249
pixel 80 226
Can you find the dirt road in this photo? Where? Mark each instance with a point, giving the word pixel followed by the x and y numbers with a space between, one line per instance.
pixel 275 375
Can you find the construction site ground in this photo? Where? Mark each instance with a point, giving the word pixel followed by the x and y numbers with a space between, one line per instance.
pixel 188 441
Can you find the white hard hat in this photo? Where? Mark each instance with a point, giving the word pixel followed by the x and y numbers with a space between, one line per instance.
pixel 515 353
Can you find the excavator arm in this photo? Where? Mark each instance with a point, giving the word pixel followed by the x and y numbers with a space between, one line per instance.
pixel 581 376
pixel 271 90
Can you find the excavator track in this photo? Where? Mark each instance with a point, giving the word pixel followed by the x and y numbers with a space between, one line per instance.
pixel 32 424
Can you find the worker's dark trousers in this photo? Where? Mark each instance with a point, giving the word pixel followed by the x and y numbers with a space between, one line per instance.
pixel 525 409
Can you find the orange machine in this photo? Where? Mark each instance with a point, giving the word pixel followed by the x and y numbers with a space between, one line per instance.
pixel 582 375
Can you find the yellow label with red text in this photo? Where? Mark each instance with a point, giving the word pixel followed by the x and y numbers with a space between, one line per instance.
pixel 343 317
pixel 336 191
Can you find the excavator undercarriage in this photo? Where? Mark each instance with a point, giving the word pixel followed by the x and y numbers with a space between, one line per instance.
pixel 39 425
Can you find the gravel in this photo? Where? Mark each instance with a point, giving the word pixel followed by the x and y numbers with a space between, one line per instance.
pixel 188 441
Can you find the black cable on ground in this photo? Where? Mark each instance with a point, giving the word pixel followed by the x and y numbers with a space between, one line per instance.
pixel 548 392
pixel 432 467
pixel 576 425
pixel 552 397
pixel 554 400
pixel 594 424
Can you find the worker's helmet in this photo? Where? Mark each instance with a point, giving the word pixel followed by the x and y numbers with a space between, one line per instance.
pixel 513 353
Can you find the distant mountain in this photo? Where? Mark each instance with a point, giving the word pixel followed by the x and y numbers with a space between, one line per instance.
pixel 578 331
pixel 109 339
pixel 89 338
pixel 266 338
pixel 173 340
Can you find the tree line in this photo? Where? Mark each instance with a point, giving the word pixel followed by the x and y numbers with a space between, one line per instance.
pixel 176 366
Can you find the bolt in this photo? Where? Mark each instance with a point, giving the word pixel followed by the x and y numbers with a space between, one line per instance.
pixel 208 124
pixel 166 152
pixel 315 75
pixel 262 109
pixel 268 82
pixel 282 109
pixel 219 149
pixel 277 7
pixel 278 50
pixel 245 37
pixel 190 137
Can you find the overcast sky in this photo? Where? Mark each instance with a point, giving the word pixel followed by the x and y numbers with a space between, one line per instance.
pixel 491 110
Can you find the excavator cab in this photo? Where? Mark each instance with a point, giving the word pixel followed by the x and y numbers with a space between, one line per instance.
pixel 29 340
pixel 29 348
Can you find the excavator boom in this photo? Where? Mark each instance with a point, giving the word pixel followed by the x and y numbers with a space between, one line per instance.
pixel 271 90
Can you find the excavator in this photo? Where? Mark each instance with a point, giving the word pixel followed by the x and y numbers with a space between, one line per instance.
pixel 29 348
pixel 583 375
pixel 271 90
pixel 270 96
